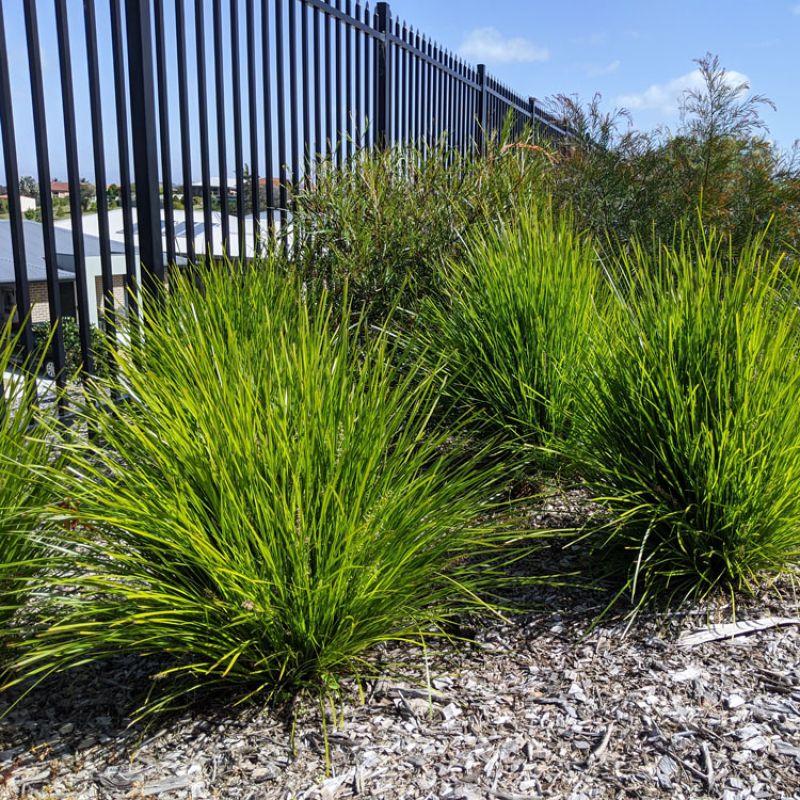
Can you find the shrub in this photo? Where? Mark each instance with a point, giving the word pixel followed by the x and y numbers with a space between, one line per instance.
pixel 271 502
pixel 514 322
pixel 719 164
pixel 689 426
pixel 383 223
pixel 72 345
pixel 23 494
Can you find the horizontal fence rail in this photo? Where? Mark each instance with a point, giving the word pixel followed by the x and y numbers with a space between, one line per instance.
pixel 197 120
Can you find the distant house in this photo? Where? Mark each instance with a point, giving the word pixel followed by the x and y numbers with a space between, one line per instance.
pixel 216 186
pixel 59 189
pixel 182 233
pixel 65 263
pixel 25 203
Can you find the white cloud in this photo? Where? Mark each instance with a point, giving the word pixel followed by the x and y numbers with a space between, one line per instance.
pixel 490 46
pixel 665 97
pixel 597 70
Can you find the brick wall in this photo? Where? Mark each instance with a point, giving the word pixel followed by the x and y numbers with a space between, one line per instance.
pixel 119 292
pixel 40 306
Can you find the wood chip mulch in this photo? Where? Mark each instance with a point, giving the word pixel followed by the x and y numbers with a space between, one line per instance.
pixel 539 706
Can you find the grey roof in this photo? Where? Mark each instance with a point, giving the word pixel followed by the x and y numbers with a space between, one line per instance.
pixel 34 251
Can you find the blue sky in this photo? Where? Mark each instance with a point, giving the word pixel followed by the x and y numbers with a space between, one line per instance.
pixel 637 53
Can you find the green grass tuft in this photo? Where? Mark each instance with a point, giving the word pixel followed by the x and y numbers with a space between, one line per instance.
pixel 688 420
pixel 515 322
pixel 24 495
pixel 272 501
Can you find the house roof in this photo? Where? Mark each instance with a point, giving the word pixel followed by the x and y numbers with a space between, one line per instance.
pixel 34 251
pixel 183 234
pixel 59 186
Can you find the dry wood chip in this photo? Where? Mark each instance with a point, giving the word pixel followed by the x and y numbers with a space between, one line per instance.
pixel 731 629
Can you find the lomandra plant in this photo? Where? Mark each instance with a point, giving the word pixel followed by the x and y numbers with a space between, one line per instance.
pixel 514 323
pixel 269 502
pixel 689 422
pixel 24 495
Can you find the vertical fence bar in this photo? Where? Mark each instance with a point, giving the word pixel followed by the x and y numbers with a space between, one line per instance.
pixel 120 104
pixel 429 134
pixel 202 107
pixel 437 98
pixel 359 120
pixel 45 197
pixel 369 78
pixel 339 78
pixel 394 60
pixel 404 96
pixel 304 42
pixel 329 135
pixel 186 141
pixel 22 299
pixel 442 104
pixel 163 121
pixel 461 111
pixel 532 118
pixel 294 109
pixel 383 76
pixel 436 118
pixel 319 147
pixel 250 23
pixel 459 90
pixel 221 111
pixel 418 67
pixel 348 72
pixel 266 68
pixel 73 176
pixel 238 155
pixel 481 116
pixel 281 97
pixel 145 145
pixel 450 107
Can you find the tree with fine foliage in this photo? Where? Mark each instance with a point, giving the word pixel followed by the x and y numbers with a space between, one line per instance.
pixel 29 187
pixel 718 114
pixel 624 183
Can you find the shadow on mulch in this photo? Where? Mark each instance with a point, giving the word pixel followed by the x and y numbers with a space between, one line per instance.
pixel 68 713
pixel 75 710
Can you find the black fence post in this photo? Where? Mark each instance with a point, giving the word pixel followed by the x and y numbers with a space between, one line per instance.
pixel 145 144
pixel 482 115
pixel 532 113
pixel 383 77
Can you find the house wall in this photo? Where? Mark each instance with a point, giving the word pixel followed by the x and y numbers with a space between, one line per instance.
pixel 40 306
pixel 120 292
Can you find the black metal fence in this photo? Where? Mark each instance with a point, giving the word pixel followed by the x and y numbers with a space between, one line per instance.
pixel 261 90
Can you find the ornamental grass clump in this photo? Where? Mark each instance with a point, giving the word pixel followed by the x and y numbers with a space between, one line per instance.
pixel 269 502
pixel 688 421
pixel 24 495
pixel 514 322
